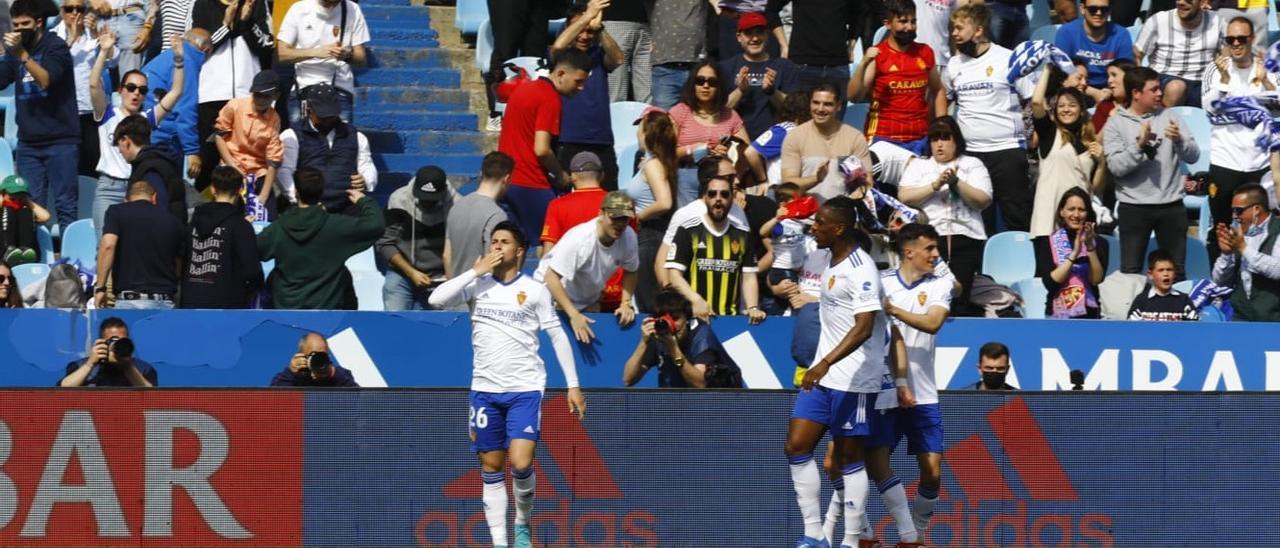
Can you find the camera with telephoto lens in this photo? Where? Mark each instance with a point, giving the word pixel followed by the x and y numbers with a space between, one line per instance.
pixel 121 348
pixel 319 365
pixel 664 325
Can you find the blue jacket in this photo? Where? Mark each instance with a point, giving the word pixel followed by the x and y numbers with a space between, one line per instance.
pixel 178 127
pixel 45 116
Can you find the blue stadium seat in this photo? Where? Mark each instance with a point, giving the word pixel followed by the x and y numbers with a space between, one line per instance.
pixel 470 15
pixel 88 186
pixel 880 34
pixel 10 121
pixel 554 26
pixel 81 243
pixel 621 114
pixel 363 260
pixel 44 239
pixel 1113 252
pixel 855 114
pixel 1184 285
pixel 484 46
pixel 1045 33
pixel 1034 297
pixel 528 63
pixel 1038 13
pixel 27 274
pixel 6 160
pixel 1197 266
pixel 1009 257
pixel 1211 314
pixel 1205 223
pixel 368 285
pixel 1134 31
pixel 1196 121
pixel 626 161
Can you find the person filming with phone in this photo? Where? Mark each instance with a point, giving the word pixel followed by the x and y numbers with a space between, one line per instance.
pixel 1072 260
pixel 111 361
pixel 685 350
pixel 313 366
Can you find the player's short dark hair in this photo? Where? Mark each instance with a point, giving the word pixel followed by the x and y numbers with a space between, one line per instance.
pixel 911 232
pixel 496 165
pixel 135 128
pixel 226 179
pixel 671 302
pixel 1158 256
pixel 1256 193
pixel 845 210
pixel 110 322
pixel 516 232
pixel 1136 78
pixel 946 127
pixel 708 169
pixel 898 8
pixel 993 350
pixel 572 58
pixel 308 182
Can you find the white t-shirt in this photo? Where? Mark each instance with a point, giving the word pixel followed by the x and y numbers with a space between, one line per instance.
pixel 950 216
pixel 584 264
pixel 987 105
pixel 789 239
pixel 83 54
pixel 933 27
pixel 1233 145
pixel 308 24
pixel 110 161
pixel 850 288
pixel 815 265
pixel 928 292
pixel 695 210
pixel 505 319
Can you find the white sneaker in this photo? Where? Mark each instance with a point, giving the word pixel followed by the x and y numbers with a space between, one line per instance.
pixel 495 123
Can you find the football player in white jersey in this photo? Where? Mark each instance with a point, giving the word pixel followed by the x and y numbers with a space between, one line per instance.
pixel 507 310
pixel 839 389
pixel 917 301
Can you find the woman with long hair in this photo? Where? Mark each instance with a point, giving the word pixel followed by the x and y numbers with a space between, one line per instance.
pixel 703 118
pixel 653 188
pixel 10 295
pixel 1071 261
pixel 952 189
pixel 1069 151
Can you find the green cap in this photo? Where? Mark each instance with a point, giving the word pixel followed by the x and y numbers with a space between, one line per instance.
pixel 14 184
pixel 618 204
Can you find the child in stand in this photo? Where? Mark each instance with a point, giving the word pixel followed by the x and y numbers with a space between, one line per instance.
pixel 19 215
pixel 789 230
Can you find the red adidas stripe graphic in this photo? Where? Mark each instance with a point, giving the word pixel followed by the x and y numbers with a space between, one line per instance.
pixel 1030 453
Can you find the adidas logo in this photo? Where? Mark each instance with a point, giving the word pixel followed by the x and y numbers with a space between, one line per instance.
pixel 975 470
pixel 702 245
pixel 528 429
pixel 848 426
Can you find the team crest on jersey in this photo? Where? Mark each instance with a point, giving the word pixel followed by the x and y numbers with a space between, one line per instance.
pixel 335 31
pixel 1213 190
pixel 920 298
pixel 831 282
pixel 990 69
pixel 920 63
pixel 520 297
pixel 735 246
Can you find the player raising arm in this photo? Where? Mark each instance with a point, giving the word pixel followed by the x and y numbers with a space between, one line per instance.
pixel 507 310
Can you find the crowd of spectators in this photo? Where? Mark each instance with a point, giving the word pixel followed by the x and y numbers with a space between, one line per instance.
pixel 971 128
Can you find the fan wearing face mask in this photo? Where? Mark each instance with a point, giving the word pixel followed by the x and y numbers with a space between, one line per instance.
pixel 993 366
pixel 897 75
pixel 413 242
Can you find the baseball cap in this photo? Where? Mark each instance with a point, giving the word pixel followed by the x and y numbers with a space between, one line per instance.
pixel 645 112
pixel 265 82
pixel 429 184
pixel 322 99
pixel 585 161
pixel 14 184
pixel 618 204
pixel 751 20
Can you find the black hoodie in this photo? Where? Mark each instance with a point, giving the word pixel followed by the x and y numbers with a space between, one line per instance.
pixel 161 165
pixel 222 267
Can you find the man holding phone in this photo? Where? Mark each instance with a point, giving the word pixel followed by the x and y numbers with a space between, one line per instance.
pixel 685 350
pixel 324 39
pixel 312 366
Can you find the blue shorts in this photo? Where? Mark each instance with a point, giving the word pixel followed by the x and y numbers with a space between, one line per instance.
pixel 845 414
pixel 919 147
pixel 922 425
pixel 1192 97
pixel 496 419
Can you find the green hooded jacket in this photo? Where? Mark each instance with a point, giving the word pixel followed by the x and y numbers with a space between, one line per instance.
pixel 310 246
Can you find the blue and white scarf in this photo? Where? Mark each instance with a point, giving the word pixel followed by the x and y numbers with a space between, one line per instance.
pixel 1249 111
pixel 1029 58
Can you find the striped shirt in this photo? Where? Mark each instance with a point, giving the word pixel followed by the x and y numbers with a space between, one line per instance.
pixel 1171 49
pixel 175 19
pixel 713 263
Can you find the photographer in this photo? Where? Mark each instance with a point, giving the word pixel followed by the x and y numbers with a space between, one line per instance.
pixel 312 366
pixel 111 361
pixel 686 351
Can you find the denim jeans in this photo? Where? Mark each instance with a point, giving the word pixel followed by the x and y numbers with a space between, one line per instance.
pixel 1009 24
pixel 126 28
pixel 144 304
pixel 110 191
pixel 50 171
pixel 668 78
pixel 399 294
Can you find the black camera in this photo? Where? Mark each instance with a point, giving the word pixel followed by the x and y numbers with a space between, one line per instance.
pixel 121 347
pixel 319 364
pixel 664 325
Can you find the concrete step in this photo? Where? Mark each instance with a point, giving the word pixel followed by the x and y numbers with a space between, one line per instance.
pixel 389 56
pixel 364 3
pixel 373 96
pixel 425 142
pixel 422 37
pixel 438 78
pixel 412 109
pixel 374 13
pixel 456 164
pixel 417 120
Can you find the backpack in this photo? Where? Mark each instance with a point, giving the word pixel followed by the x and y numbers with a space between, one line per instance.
pixel 65 287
